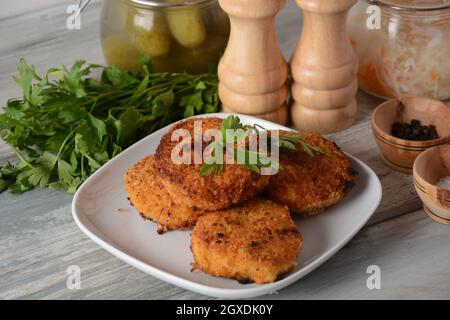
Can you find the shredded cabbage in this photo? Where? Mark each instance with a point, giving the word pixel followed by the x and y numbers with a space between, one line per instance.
pixel 410 55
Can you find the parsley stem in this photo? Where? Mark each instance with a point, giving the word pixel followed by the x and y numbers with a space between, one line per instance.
pixel 82 168
pixel 22 158
pixel 65 142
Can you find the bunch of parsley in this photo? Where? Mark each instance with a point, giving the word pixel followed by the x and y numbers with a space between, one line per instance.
pixel 68 123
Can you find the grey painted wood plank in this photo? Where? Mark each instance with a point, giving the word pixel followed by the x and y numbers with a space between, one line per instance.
pixel 39 240
pixel 412 252
pixel 15 7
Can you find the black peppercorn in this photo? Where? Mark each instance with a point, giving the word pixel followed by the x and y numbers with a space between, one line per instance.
pixel 414 131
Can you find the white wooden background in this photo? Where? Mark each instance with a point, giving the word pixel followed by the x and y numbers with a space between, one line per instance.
pixel 16 7
pixel 39 240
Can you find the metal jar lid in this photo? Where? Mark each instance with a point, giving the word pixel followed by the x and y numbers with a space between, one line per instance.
pixel 413 5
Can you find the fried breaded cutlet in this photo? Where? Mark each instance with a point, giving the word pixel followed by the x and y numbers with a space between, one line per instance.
pixel 254 242
pixel 309 184
pixel 147 194
pixel 235 183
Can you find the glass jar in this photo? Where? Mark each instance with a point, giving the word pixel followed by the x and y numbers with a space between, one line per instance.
pixel 409 54
pixel 179 35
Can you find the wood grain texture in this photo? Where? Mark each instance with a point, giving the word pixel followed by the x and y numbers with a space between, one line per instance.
pixel 324 68
pixel 39 239
pixel 431 166
pixel 410 250
pixel 16 7
pixel 253 72
pixel 400 154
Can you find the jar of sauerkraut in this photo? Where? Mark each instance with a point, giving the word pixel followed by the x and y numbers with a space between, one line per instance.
pixel 178 35
pixel 403 47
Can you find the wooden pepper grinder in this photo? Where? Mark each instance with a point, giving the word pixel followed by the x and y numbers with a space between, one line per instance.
pixel 324 68
pixel 252 71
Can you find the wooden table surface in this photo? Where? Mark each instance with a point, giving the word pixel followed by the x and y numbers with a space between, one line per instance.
pixel 39 239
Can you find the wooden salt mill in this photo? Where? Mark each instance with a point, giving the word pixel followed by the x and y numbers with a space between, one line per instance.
pixel 324 69
pixel 252 71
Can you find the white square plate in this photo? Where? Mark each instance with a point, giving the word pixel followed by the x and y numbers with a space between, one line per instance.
pixel 101 210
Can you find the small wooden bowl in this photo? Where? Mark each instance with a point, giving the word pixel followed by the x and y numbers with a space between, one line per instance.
pixel 400 154
pixel 429 167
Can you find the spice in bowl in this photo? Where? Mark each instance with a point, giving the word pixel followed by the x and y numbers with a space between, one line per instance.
pixel 414 131
pixel 444 183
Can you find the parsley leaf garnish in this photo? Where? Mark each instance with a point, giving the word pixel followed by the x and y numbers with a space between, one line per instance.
pixel 230 139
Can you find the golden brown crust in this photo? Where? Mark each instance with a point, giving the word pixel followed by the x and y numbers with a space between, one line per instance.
pixel 308 185
pixel 147 194
pixel 234 185
pixel 256 241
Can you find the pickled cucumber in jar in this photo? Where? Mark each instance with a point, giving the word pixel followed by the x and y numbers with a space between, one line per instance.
pixel 204 57
pixel 120 53
pixel 186 25
pixel 221 23
pixel 181 38
pixel 149 32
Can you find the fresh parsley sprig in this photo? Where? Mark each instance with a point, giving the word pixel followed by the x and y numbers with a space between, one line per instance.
pixel 230 139
pixel 69 123
pixel 289 143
